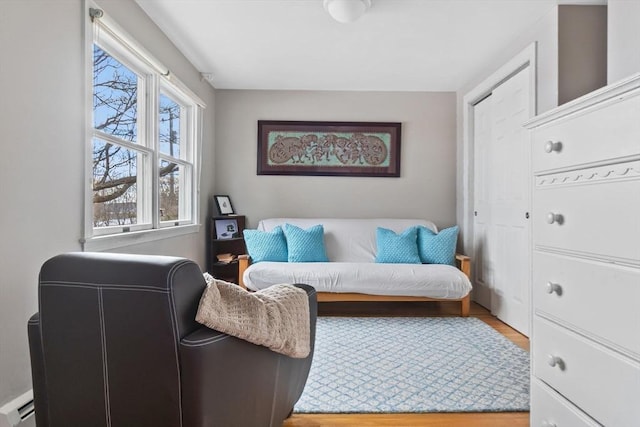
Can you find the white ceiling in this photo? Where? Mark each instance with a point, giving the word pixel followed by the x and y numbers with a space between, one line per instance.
pixel 398 45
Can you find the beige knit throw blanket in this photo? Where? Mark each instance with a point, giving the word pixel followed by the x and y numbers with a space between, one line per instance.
pixel 276 317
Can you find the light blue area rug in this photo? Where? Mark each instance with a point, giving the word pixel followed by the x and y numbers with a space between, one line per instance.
pixel 414 364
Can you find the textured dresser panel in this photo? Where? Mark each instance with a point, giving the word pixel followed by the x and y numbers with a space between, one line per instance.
pixel 587 374
pixel 549 407
pixel 593 135
pixel 599 219
pixel 585 342
pixel 582 293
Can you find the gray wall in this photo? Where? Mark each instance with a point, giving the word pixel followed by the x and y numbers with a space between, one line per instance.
pixel 42 164
pixel 623 43
pixel 545 34
pixel 582 50
pixel 426 188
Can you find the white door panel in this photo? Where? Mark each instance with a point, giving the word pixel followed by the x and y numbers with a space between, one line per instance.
pixel 501 189
pixel 482 268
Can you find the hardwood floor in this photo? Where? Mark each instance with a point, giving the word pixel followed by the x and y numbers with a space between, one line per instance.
pixel 502 419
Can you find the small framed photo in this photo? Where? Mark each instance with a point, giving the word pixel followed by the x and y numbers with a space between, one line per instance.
pixel 223 203
pixel 226 229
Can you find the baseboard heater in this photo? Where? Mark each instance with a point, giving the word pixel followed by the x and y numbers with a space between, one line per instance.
pixel 18 411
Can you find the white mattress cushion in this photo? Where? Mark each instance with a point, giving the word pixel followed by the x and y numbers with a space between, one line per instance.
pixel 425 280
pixel 348 240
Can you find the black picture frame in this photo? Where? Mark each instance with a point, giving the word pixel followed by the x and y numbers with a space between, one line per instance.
pixel 226 229
pixel 223 204
pixel 358 149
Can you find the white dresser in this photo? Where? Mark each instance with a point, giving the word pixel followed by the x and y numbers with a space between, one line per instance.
pixel 585 341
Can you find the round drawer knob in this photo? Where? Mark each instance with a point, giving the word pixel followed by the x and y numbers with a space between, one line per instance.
pixel 551 146
pixel 546 423
pixel 553 287
pixel 554 218
pixel 554 361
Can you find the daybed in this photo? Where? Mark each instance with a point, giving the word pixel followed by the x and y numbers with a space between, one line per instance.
pixel 352 273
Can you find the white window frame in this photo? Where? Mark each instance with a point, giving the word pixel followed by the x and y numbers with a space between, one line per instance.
pixel 156 79
pixel 187 157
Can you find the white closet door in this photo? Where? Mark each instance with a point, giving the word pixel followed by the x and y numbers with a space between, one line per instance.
pixel 502 180
pixel 482 257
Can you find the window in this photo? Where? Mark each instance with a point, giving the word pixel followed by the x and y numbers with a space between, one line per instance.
pixel 143 138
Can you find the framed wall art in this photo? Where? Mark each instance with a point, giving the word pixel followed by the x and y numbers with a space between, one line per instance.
pixel 223 204
pixel 329 148
pixel 226 229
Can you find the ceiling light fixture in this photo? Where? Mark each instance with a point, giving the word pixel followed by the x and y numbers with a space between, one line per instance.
pixel 346 11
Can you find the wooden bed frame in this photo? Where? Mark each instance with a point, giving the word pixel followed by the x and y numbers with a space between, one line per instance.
pixel 463 263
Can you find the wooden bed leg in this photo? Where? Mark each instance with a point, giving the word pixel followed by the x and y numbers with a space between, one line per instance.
pixel 466 305
pixel 243 264
pixel 465 264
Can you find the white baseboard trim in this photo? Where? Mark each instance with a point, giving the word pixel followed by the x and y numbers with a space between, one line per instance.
pixel 18 412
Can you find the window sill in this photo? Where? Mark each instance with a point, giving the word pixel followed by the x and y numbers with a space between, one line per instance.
pixel 113 241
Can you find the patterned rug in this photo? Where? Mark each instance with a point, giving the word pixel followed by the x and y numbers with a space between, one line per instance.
pixel 414 364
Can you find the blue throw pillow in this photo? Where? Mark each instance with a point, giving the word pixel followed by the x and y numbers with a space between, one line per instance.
pixel 438 248
pixel 305 245
pixel 397 248
pixel 266 246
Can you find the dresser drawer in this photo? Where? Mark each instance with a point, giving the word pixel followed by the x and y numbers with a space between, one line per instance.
pixel 600 219
pixel 549 409
pixel 593 136
pixel 572 290
pixel 601 382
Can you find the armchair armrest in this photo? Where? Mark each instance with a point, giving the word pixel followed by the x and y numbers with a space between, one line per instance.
pixel 41 401
pixel 212 361
pixel 243 263
pixel 464 264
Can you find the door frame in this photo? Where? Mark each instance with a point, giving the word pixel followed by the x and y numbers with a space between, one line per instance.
pixel 526 57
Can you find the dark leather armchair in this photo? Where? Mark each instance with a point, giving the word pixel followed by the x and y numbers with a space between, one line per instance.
pixel 115 343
